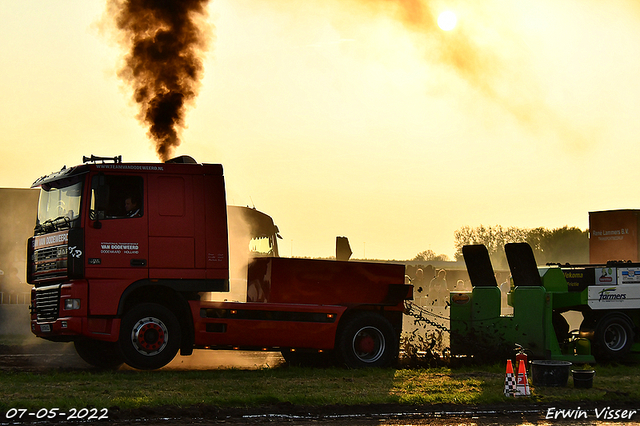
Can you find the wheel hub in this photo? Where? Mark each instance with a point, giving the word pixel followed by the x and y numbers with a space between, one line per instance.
pixel 369 344
pixel 149 336
pixel 615 337
pixel 365 344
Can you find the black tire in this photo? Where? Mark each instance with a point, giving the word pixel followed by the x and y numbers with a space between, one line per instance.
pixel 100 354
pixel 149 336
pixel 613 337
pixel 366 340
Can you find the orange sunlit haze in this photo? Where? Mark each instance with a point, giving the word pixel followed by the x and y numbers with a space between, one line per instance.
pixel 393 123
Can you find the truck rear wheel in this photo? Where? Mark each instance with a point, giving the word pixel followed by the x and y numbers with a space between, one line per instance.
pixel 100 354
pixel 613 337
pixel 366 340
pixel 149 336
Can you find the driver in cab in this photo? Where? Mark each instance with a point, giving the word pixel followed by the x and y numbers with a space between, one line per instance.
pixel 131 207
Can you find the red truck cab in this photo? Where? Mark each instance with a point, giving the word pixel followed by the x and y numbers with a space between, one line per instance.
pixel 128 259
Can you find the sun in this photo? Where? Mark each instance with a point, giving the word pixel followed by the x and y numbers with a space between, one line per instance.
pixel 447 20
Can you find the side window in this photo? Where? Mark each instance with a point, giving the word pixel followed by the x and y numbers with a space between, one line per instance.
pixel 116 197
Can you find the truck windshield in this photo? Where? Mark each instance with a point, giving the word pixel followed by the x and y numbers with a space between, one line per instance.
pixel 59 206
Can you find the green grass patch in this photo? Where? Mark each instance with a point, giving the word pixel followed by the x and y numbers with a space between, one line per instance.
pixel 299 386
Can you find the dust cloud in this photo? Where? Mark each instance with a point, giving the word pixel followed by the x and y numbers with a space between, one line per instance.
pixel 490 57
pixel 166 41
pixel 18 208
pixel 239 237
pixel 222 359
pixel 456 49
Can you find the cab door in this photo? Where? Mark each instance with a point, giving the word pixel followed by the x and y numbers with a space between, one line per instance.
pixel 116 239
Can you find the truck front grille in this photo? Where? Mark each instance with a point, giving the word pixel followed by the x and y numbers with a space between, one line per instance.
pixel 48 303
pixel 49 263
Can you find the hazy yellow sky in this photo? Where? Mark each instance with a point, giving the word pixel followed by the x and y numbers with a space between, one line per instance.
pixel 357 118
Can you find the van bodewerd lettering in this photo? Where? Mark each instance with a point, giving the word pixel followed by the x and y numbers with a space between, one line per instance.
pixel 119 248
pixel 51 240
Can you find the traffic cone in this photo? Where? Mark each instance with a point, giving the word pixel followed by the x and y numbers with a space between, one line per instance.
pixel 522 387
pixel 509 381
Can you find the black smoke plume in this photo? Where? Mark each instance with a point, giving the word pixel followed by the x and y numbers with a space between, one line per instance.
pixel 165 40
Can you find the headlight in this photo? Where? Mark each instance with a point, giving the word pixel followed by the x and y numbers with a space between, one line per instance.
pixel 71 304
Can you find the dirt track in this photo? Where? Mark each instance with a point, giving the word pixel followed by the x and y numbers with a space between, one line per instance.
pixel 40 355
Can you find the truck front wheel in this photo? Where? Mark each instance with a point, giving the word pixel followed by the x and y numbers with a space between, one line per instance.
pixel 613 337
pixel 366 340
pixel 100 354
pixel 149 336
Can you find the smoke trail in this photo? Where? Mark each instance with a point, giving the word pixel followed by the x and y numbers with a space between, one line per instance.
pixel 165 41
pixel 456 49
pixel 490 59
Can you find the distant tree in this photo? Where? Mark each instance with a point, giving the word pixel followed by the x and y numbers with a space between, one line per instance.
pixel 561 245
pixel 430 255
pixel 493 237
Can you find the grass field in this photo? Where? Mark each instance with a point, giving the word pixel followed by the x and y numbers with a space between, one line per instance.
pixel 128 389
